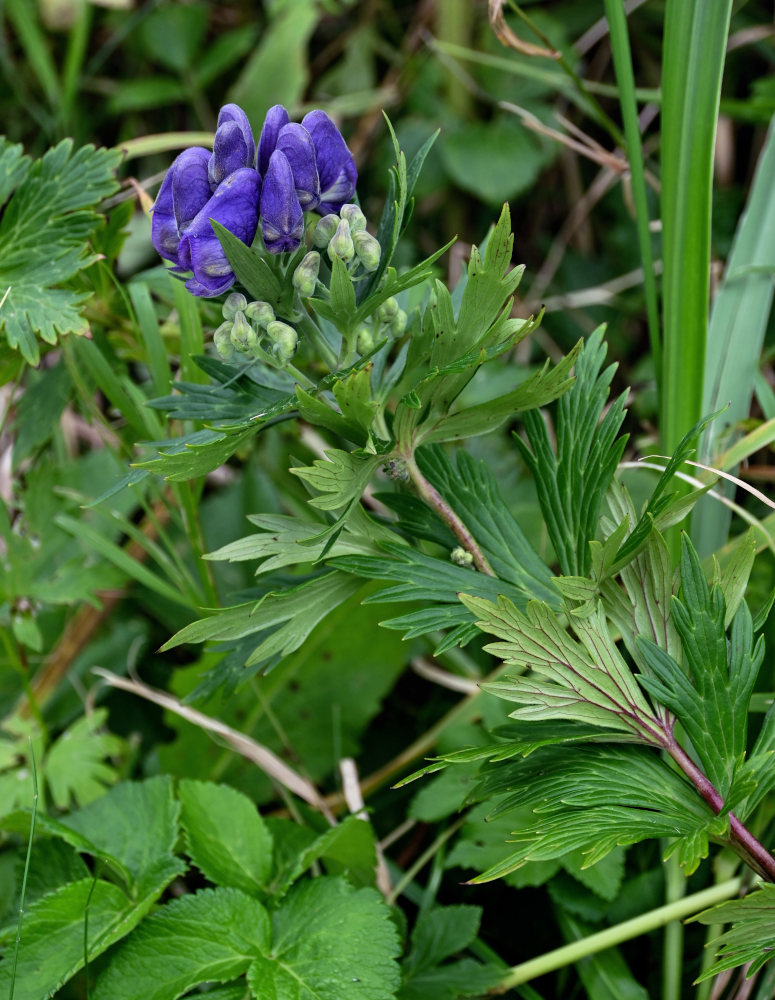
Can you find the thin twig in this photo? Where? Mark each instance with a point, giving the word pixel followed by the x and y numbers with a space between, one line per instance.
pixel 443 677
pixel 256 752
pixel 434 499
pixel 354 799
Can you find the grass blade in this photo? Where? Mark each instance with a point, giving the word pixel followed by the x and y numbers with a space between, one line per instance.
pixel 620 47
pixel 695 38
pixel 738 323
pixel 33 818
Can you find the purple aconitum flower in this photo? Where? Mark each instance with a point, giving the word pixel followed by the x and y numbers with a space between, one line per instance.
pixel 183 192
pixel 317 173
pixel 234 146
pixel 296 143
pixel 235 206
pixel 282 219
pixel 200 186
pixel 276 119
pixel 336 166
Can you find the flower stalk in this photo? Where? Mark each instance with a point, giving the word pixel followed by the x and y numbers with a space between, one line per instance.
pixel 742 841
pixel 434 499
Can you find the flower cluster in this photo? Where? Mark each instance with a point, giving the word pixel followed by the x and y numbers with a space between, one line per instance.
pixel 296 168
pixel 344 235
pixel 388 320
pixel 251 329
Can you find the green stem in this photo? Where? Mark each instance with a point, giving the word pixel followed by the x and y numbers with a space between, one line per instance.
pixel 620 46
pixel 672 962
pixel 611 936
pixel 300 377
pixel 327 354
pixel 434 499
pixel 423 859
pixel 166 142
pixel 195 535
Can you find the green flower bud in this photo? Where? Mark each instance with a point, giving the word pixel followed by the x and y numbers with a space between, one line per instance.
pixel 398 323
pixel 367 249
pixel 235 303
pixel 460 557
pixel 306 274
pixel 365 341
pixel 396 468
pixel 222 340
pixel 341 243
pixel 354 216
pixel 242 333
pixel 284 339
pixel 387 310
pixel 259 313
pixel 325 230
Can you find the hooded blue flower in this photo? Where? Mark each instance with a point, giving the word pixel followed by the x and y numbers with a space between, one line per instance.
pixel 234 146
pixel 199 186
pixel 322 173
pixel 235 206
pixel 184 191
pixel 336 166
pixel 296 143
pixel 282 220
pixel 276 119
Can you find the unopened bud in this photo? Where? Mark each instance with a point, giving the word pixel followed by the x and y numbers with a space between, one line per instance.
pixel 398 323
pixel 460 557
pixel 324 230
pixel 341 243
pixel 259 313
pixel 284 339
pixel 306 274
pixel 354 216
pixel 365 341
pixel 367 249
pixel 235 303
pixel 396 468
pixel 222 340
pixel 387 310
pixel 241 332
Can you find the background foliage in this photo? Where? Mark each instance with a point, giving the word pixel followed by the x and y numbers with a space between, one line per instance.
pixel 123 524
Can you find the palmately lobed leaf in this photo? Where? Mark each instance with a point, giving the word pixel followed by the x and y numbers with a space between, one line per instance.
pixel 711 689
pixel 584 681
pixel 751 938
pixel 339 478
pixel 593 799
pixel 43 236
pixel 573 476
pixel 329 942
pixel 75 766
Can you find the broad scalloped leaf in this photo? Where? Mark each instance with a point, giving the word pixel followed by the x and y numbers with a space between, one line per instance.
pixel 211 936
pixel 226 837
pixel 52 945
pixel 137 823
pixel 329 942
pixel 43 239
